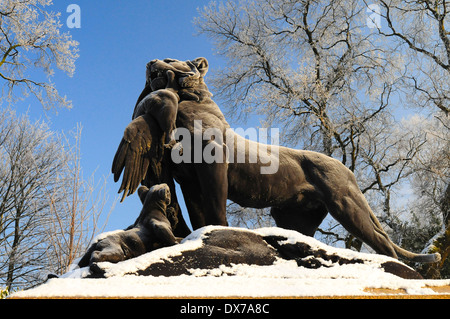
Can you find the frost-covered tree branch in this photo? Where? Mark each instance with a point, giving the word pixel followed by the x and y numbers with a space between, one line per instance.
pixel 30 40
pixel 299 63
pixel 48 211
pixel 423 28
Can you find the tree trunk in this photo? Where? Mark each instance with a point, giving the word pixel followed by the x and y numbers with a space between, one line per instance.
pixel 13 254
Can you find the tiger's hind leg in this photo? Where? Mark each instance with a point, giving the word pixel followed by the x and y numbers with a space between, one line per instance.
pixel 302 217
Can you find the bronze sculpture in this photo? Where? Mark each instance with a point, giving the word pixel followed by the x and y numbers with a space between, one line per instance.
pixel 152 230
pixel 304 188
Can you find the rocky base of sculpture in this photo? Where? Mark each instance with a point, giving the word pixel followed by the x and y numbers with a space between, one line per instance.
pixel 230 262
pixel 222 247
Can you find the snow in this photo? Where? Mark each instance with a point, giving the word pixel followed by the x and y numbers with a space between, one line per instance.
pixel 283 279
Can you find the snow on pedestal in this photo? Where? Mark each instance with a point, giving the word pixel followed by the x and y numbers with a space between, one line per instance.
pixel 219 261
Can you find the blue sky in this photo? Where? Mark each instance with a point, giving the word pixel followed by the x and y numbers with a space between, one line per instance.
pixel 117 38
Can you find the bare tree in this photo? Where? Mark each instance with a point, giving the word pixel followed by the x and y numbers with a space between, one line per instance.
pixel 248 218
pixel 420 30
pixel 31 155
pixel 48 212
pixel 74 211
pixel 30 38
pixel 299 63
pixel 431 205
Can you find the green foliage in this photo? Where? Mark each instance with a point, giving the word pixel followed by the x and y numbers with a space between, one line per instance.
pixel 441 269
pixel 4 292
pixel 416 233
